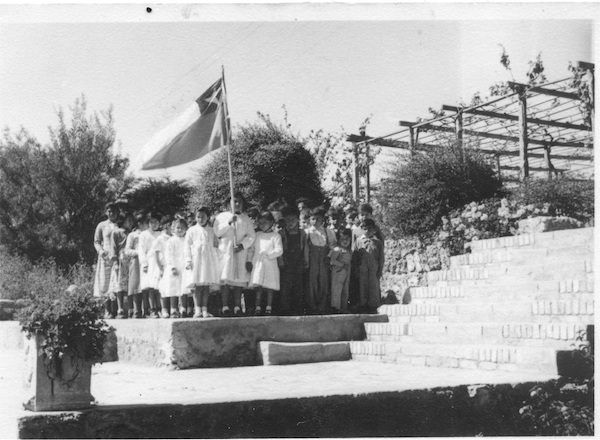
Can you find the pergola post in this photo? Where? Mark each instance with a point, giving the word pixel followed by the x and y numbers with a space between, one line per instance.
pixel 411 140
pixel 524 164
pixel 355 176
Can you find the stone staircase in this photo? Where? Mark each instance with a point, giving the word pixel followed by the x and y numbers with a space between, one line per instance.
pixel 513 304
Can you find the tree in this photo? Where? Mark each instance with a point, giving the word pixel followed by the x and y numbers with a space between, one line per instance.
pixel 165 197
pixel 52 197
pixel 269 164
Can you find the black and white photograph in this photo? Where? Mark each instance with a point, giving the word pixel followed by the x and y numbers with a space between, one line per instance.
pixel 294 219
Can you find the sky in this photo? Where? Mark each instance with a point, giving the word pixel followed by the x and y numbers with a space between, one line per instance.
pixel 331 66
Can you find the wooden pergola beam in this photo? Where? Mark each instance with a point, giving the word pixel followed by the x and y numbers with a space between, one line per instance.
pixel 429 147
pixel 534 169
pixel 495 136
pixel 542 90
pixel 516 118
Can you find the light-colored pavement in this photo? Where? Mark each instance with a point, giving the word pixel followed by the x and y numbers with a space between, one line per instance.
pixel 117 383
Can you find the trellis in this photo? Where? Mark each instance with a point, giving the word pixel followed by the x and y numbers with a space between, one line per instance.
pixel 533 129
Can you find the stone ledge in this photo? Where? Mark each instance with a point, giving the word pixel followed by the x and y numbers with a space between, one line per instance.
pixel 284 353
pixel 227 342
pixel 458 411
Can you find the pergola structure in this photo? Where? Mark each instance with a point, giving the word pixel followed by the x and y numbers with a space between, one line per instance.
pixel 531 130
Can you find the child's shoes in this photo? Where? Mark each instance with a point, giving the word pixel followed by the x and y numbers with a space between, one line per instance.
pixel 164 313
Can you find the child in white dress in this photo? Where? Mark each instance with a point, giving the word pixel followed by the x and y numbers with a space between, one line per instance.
pixel 148 278
pixel 202 261
pixel 158 249
pixel 236 235
pixel 172 284
pixel 265 270
pixel 132 247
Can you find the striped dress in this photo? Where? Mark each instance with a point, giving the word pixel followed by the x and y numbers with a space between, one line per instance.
pixel 102 237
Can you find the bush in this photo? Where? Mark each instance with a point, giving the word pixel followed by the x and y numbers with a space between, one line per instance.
pixel 165 196
pixel 269 164
pixel 424 188
pixel 563 197
pixel 564 406
pixel 20 279
pixel 70 322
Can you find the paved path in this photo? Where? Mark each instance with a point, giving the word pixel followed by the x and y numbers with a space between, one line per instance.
pixel 120 383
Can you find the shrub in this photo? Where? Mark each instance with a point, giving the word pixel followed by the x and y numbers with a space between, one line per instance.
pixel 563 197
pixel 69 322
pixel 564 406
pixel 21 279
pixel 423 189
pixel 269 163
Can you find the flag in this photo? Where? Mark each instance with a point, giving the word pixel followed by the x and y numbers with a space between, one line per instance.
pixel 203 127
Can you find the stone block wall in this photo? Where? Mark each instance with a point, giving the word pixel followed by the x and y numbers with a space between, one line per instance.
pixel 407 262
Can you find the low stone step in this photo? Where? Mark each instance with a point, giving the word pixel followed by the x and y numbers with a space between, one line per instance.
pixel 467 356
pixel 523 255
pixel 508 272
pixel 576 311
pixel 285 353
pixel 566 290
pixel 560 336
pixel 570 237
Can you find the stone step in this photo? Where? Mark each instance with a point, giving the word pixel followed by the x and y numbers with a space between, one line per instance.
pixel 566 289
pixel 467 356
pixel 576 311
pixel 285 353
pixel 555 239
pixel 524 255
pixel 560 336
pixel 508 272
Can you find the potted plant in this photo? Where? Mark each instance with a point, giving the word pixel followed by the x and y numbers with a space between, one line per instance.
pixel 66 337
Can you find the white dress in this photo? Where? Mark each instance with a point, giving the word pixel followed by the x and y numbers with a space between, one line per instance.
pixel 173 285
pixel 265 270
pixel 201 252
pixel 233 265
pixel 158 251
pixel 148 279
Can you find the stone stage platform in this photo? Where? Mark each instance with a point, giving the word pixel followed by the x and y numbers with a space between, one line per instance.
pixel 225 342
pixel 328 399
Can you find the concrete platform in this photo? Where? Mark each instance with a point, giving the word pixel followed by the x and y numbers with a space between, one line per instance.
pixel 226 342
pixel 332 399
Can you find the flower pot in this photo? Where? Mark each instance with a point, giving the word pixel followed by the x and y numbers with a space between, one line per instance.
pixel 55 387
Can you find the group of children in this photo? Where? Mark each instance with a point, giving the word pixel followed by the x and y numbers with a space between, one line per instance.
pixel 287 261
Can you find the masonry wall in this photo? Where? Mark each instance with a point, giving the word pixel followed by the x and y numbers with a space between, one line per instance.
pixel 407 262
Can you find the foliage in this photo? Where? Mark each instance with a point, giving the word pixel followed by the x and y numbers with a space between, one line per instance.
pixel 269 164
pixel 69 322
pixel 535 74
pixel 335 157
pixel 21 279
pixel 583 81
pixel 563 196
pixel 164 196
pixel 497 217
pixel 52 197
pixel 564 406
pixel 423 188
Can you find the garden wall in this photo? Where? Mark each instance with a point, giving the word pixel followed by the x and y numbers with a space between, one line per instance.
pixel 407 262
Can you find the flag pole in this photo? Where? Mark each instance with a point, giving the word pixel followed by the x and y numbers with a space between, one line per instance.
pixel 227 124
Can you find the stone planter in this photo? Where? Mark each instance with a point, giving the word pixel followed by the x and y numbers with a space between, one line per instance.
pixel 49 390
